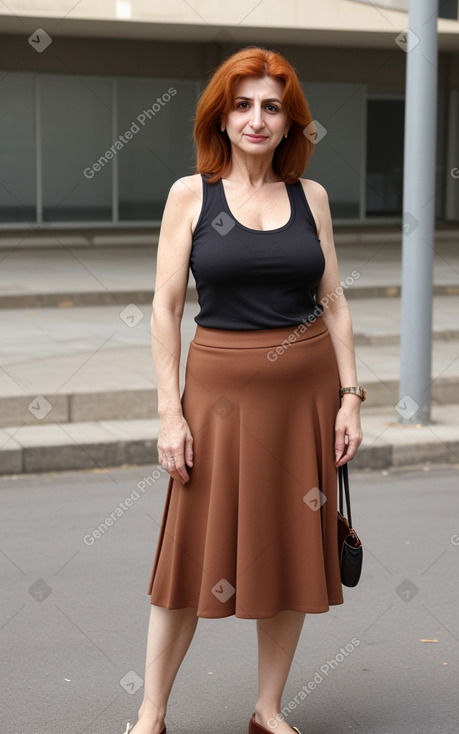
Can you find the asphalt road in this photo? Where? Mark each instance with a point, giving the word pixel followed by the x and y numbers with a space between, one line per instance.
pixel 74 613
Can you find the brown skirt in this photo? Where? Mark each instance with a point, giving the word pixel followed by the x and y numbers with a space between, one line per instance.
pixel 254 531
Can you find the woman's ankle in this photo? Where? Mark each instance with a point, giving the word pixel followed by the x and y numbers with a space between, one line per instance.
pixel 153 714
pixel 268 717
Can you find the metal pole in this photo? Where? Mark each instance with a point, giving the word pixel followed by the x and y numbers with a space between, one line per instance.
pixel 418 212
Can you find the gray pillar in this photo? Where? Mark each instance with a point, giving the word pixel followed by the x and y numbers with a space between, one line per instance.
pixel 418 212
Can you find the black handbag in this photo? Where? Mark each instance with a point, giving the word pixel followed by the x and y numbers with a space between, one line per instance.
pixel 349 546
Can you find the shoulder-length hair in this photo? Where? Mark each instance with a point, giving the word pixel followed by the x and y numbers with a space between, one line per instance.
pixel 213 146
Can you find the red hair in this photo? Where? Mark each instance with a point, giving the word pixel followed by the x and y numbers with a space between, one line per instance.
pixel 214 148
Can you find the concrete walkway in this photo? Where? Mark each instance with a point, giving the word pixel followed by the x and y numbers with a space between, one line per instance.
pixel 77 385
pixel 69 275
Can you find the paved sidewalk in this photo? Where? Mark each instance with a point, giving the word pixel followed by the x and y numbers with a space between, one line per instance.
pixel 111 275
pixel 85 349
pixel 77 385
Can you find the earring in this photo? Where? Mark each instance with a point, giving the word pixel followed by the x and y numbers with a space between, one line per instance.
pixel 286 135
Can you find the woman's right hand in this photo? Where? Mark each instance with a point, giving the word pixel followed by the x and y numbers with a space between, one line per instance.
pixel 175 446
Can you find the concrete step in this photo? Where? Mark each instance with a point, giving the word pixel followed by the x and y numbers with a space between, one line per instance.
pixel 141 404
pixel 39 237
pixel 388 443
pixel 90 364
pixel 67 299
pixel 98 444
pixel 75 276
pixel 389 339
pixel 377 321
pixel 85 445
pixel 110 275
pixel 104 405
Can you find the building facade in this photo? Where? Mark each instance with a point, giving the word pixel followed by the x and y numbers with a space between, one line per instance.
pixel 97 103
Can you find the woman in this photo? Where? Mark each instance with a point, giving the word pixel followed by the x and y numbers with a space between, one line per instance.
pixel 249 526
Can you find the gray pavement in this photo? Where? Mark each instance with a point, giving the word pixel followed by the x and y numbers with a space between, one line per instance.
pixel 73 616
pixel 106 275
pixel 85 349
pixel 77 384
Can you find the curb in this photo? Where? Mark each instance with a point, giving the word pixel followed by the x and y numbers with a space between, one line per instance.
pixel 35 237
pixel 122 298
pixel 42 409
pixel 52 408
pixel 392 456
pixel 79 446
pixel 81 298
pixel 381 340
pixel 114 443
pixel 49 238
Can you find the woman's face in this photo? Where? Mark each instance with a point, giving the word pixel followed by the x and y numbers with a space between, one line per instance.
pixel 256 122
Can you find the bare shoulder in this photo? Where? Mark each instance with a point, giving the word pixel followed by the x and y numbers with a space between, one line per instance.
pixel 185 198
pixel 187 187
pixel 317 198
pixel 314 189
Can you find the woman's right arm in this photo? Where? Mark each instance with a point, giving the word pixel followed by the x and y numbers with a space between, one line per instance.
pixel 174 250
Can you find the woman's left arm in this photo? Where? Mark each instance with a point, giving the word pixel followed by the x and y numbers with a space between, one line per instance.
pixel 348 431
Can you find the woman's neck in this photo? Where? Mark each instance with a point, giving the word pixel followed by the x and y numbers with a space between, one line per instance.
pixel 251 170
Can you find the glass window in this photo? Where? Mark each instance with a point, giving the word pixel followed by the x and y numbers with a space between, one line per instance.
pixel 385 138
pixel 17 148
pixel 158 115
pixel 338 158
pixel 76 123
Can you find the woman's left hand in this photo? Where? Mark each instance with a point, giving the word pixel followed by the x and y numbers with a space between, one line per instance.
pixel 348 431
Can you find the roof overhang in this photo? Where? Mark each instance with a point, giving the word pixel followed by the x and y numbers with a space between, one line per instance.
pixel 335 23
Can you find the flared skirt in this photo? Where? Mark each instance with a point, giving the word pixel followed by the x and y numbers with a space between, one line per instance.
pixel 254 530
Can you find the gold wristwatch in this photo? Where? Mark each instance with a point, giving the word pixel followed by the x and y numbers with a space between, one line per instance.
pixel 360 391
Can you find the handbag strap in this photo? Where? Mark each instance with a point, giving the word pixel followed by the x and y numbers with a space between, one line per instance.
pixel 343 479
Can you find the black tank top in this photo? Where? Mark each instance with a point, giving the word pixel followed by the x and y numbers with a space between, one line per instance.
pixel 252 279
